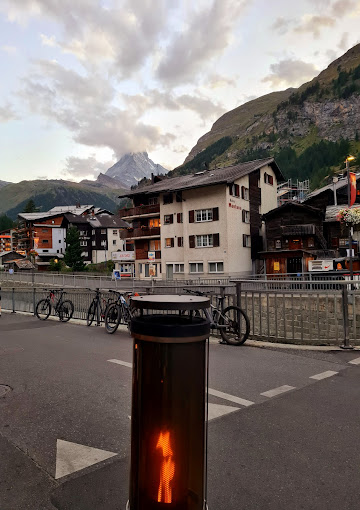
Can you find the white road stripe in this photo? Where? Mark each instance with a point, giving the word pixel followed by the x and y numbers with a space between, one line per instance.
pixel 119 362
pixel 277 391
pixel 231 398
pixel 323 375
pixel 215 393
pixel 355 361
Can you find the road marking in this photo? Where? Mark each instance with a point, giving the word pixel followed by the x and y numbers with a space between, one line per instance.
pixel 323 375
pixel 119 362
pixel 277 391
pixel 217 410
pixel 71 457
pixel 355 361
pixel 231 398
pixel 215 393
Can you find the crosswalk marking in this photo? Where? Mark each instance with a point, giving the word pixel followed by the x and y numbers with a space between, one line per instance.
pixel 119 362
pixel 230 398
pixel 217 410
pixel 355 361
pixel 323 375
pixel 277 391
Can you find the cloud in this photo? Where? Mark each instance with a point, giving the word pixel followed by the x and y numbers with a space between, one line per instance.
pixel 206 35
pixel 215 81
pixel 84 105
pixel 282 25
pixel 7 113
pixel 314 24
pixel 10 50
pixel 290 72
pixel 340 8
pixel 48 41
pixel 124 36
pixel 88 167
pixel 344 41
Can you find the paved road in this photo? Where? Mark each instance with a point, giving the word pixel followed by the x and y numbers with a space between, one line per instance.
pixel 291 440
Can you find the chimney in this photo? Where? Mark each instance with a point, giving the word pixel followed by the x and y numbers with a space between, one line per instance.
pixel 78 205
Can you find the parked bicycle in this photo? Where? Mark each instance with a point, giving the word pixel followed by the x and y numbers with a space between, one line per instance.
pixel 118 312
pixel 98 307
pixel 64 308
pixel 232 321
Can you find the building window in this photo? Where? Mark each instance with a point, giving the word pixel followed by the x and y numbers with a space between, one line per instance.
pixel 168 198
pixel 151 271
pixel 204 215
pixel 82 232
pixel 153 200
pixel 45 230
pixel 45 241
pixel 343 242
pixel 234 190
pixel 310 242
pixel 246 216
pixel 115 232
pixel 103 231
pixel 140 268
pixel 83 243
pixel 278 244
pixel 204 241
pixel 84 254
pixel 196 267
pixel 179 217
pixel 154 245
pixel 103 243
pixel 93 232
pixel 59 240
pixel 246 241
pixel 268 179
pixel 114 241
pixel 154 222
pixel 244 193
pixel 45 251
pixel 93 243
pixel 168 218
pixel 53 222
pixel 178 268
pixel 169 242
pixel 216 267
pixel 180 242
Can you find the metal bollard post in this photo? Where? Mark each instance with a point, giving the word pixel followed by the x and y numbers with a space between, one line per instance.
pixel 169 405
pixel 13 300
pixel 346 344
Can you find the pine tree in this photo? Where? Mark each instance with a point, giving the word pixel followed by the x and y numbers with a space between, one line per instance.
pixel 72 257
pixel 30 207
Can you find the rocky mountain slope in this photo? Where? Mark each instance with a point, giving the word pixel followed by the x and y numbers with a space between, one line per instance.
pixel 310 122
pixel 49 193
pixel 133 167
pixel 3 183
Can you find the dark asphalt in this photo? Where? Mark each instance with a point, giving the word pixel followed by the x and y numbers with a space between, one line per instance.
pixel 299 450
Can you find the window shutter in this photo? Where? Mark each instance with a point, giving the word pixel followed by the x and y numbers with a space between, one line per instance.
pixel 215 213
pixel 243 215
pixel 265 177
pixel 179 217
pixel 216 239
pixel 242 191
pixel 237 190
pixel 191 216
pixel 192 241
pixel 179 242
pixel 244 241
pixel 171 218
pixel 172 242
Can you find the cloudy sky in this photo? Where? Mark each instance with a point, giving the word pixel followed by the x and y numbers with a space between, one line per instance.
pixel 85 81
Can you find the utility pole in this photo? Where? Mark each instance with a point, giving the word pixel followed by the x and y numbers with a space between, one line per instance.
pixel 350 158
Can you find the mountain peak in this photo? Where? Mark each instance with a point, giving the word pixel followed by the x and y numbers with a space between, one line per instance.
pixel 134 166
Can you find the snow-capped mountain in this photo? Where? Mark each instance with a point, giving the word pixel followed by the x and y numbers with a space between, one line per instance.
pixel 133 167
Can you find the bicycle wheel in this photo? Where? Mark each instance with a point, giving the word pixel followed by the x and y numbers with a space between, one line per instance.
pixel 237 325
pixel 66 310
pixel 112 318
pixel 43 309
pixel 91 313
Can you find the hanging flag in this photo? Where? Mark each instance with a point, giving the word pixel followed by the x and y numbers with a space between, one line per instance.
pixel 352 188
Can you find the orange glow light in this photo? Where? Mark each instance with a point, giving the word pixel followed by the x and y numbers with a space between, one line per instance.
pixel 167 469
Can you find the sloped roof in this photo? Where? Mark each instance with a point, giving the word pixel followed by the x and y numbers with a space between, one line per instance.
pixel 77 210
pixel 295 205
pixel 341 183
pixel 207 178
pixel 100 220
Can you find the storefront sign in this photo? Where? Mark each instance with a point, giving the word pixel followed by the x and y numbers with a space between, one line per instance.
pixel 123 255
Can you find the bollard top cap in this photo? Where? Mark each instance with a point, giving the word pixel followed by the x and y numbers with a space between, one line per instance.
pixel 170 302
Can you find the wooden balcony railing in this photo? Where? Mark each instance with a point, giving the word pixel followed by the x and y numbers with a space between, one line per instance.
pixel 144 254
pixel 138 211
pixel 140 232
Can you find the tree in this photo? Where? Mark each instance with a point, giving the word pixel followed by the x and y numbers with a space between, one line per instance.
pixel 6 223
pixel 73 257
pixel 56 265
pixel 30 207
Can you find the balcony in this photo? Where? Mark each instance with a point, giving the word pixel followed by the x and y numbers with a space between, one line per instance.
pixel 140 233
pixel 144 255
pixel 142 210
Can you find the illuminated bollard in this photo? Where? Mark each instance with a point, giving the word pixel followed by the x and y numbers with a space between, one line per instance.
pixel 168 420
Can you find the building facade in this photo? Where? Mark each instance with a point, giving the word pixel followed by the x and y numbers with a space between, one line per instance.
pixel 205 224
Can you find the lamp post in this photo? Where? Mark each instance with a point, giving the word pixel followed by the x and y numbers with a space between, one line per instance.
pixel 350 158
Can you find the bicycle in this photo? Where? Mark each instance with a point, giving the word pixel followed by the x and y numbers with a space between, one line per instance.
pixel 97 308
pixel 232 322
pixel 64 308
pixel 117 312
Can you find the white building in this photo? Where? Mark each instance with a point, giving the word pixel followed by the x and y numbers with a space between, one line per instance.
pixel 205 224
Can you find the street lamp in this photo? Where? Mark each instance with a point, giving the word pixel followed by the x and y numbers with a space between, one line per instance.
pixel 350 158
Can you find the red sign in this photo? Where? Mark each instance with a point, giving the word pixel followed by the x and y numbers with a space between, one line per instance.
pixel 352 188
